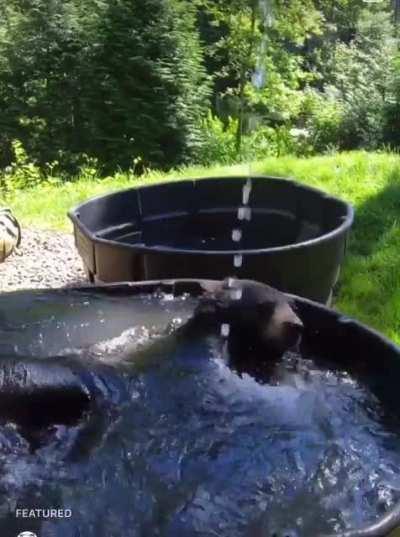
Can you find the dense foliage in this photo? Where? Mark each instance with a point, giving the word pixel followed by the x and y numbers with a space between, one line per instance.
pixel 115 80
pixel 134 84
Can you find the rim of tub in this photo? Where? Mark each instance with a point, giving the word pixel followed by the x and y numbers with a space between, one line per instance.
pixel 347 221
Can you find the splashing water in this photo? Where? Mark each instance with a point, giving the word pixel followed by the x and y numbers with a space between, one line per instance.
pixel 307 451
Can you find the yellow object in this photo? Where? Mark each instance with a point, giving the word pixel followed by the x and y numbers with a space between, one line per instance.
pixel 10 233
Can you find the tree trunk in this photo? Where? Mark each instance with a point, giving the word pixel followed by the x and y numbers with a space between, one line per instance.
pixel 239 130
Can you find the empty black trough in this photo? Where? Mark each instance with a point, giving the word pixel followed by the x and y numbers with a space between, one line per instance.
pixel 294 239
pixel 176 442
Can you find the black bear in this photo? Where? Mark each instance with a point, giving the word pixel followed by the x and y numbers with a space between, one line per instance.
pixel 260 318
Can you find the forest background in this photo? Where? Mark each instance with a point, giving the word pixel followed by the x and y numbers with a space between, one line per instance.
pixel 135 85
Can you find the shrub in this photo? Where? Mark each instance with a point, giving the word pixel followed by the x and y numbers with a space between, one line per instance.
pixel 218 140
pixel 21 173
pixel 322 117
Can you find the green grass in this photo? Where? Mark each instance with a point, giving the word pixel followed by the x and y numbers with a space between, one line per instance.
pixel 370 283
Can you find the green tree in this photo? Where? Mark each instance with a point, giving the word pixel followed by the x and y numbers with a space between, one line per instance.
pixel 237 42
pixel 360 78
pixel 254 37
pixel 106 79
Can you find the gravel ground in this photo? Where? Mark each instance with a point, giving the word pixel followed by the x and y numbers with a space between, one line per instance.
pixel 44 259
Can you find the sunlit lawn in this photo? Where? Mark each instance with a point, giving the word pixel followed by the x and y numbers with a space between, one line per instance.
pixel 370 284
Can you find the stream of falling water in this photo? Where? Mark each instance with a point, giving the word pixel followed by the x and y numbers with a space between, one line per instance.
pixel 244 212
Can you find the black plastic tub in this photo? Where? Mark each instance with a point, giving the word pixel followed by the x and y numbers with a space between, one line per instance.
pixel 51 319
pixel 295 239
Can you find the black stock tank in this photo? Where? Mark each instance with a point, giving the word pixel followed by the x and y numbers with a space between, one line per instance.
pixel 173 441
pixel 293 238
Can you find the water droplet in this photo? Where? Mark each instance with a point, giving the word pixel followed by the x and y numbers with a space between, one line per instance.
pixel 230 282
pixel 238 260
pixel 244 213
pixel 236 294
pixel 247 191
pixel 225 330
pixel 237 235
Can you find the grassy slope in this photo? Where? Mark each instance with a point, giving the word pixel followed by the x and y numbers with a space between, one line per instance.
pixel 370 283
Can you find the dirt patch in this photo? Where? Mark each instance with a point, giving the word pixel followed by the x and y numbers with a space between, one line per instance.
pixel 44 259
